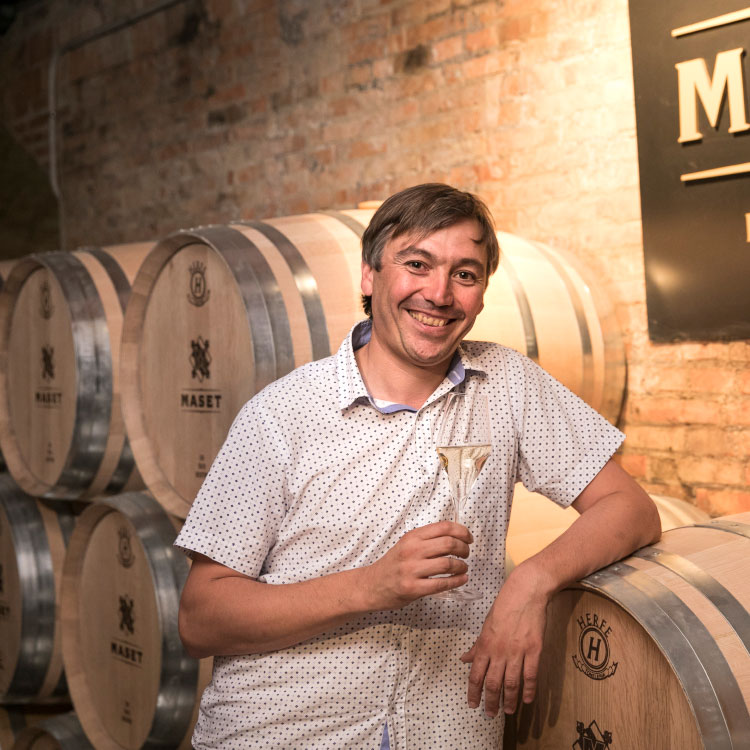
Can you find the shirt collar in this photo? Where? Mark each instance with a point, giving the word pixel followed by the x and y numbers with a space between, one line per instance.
pixel 352 388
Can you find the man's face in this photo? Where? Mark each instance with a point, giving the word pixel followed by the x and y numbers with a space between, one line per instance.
pixel 428 293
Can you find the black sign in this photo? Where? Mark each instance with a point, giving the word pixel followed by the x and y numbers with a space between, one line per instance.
pixel 691 72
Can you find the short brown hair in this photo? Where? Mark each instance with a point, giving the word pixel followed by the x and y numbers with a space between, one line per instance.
pixel 424 209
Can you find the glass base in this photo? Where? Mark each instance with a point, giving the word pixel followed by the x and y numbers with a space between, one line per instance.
pixel 461 594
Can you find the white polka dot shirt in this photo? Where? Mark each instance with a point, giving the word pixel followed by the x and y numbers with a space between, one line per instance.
pixel 313 479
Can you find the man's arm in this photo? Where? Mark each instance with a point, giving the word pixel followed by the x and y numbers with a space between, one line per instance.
pixel 617 517
pixel 223 612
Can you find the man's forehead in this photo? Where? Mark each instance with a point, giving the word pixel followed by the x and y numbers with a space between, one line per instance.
pixel 470 227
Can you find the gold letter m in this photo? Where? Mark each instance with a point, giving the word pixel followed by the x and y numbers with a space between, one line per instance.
pixel 694 83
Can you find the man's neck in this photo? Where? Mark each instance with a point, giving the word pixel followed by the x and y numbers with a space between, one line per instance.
pixel 388 378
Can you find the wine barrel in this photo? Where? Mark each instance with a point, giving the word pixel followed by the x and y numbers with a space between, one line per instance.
pixel 14 719
pixel 33 536
pixel 535 521
pixel 63 732
pixel 131 682
pixel 224 310
pixel 5 269
pixel 6 266
pixel 546 304
pixel 651 651
pixel 61 426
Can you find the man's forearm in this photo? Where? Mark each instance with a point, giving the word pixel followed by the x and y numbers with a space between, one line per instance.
pixel 223 612
pixel 609 530
pixel 244 616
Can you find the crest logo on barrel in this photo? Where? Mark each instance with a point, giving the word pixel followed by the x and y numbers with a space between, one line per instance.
pixel 48 364
pixel 45 303
pixel 591 737
pixel 200 359
pixel 593 657
pixel 124 548
pixel 199 292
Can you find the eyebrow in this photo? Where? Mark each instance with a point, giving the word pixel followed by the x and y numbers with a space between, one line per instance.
pixel 412 250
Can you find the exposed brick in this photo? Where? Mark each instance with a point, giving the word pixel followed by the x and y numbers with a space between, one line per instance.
pixel 710 380
pixel 481 66
pixel 447 49
pixel 365 148
pixel 482 40
pixel 713 471
pixel 723 502
pixel 636 465
pixel 528 103
pixel 743 382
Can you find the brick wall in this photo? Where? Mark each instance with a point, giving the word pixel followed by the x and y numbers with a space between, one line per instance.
pixel 221 109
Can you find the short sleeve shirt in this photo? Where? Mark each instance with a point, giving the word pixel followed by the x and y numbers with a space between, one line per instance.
pixel 314 479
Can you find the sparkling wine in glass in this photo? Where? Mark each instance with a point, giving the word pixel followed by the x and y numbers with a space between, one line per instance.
pixel 463 445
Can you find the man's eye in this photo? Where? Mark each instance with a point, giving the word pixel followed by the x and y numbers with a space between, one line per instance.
pixel 416 264
pixel 466 276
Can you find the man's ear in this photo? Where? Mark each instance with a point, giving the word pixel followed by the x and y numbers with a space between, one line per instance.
pixel 366 283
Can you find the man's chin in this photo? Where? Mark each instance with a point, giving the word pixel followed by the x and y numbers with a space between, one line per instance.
pixel 432 359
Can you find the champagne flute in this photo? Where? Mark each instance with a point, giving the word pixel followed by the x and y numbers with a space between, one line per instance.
pixel 463 444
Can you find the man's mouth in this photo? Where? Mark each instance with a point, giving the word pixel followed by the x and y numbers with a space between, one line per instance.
pixel 427 320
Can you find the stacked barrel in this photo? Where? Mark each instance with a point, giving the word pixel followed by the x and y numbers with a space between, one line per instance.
pixel 89 578
pixel 121 370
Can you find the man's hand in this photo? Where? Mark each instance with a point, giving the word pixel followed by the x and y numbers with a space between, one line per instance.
pixel 506 654
pixel 617 517
pixel 405 572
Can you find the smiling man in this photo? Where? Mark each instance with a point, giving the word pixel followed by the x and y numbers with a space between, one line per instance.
pixel 319 534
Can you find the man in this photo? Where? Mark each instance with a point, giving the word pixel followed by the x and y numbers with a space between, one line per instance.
pixel 317 536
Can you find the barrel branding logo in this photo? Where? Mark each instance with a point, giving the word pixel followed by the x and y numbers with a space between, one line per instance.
pixel 121 649
pixel 48 363
pixel 199 292
pixel 127 620
pixel 591 737
pixel 45 302
pixel 593 658
pixel 200 359
pixel 124 547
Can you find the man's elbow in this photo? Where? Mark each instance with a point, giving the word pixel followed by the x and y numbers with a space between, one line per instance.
pixel 651 521
pixel 190 633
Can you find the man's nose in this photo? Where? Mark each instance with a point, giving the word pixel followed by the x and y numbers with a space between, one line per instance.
pixel 438 289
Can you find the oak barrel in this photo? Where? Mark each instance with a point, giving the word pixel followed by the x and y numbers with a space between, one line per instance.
pixel 33 536
pixel 14 719
pixel 6 266
pixel 63 732
pixel 218 312
pixel 131 682
pixel 650 652
pixel 5 269
pixel 61 426
pixel 535 521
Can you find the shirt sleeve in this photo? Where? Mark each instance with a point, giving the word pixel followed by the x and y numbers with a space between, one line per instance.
pixel 562 442
pixel 238 510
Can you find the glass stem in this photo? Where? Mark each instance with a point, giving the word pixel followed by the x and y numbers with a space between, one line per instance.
pixel 456 509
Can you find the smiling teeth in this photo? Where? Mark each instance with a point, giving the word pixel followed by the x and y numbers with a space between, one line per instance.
pixel 428 320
